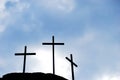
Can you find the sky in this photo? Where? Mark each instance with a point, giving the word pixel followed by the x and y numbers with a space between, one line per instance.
pixel 90 30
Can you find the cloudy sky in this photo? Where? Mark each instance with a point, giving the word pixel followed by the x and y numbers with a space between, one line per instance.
pixel 90 30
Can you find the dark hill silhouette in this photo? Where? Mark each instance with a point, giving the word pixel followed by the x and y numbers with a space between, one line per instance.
pixel 31 76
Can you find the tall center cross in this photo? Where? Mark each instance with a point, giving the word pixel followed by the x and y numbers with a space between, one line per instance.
pixel 53 44
pixel 24 54
pixel 72 64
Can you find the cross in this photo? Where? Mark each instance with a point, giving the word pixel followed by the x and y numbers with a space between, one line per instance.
pixel 53 44
pixel 72 64
pixel 24 54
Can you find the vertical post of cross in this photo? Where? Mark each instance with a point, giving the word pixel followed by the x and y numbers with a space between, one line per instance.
pixel 72 65
pixel 53 55
pixel 53 49
pixel 24 54
pixel 24 59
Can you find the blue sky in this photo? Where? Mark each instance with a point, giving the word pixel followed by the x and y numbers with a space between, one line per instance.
pixel 90 30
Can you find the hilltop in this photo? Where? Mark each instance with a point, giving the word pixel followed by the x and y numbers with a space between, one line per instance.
pixel 31 76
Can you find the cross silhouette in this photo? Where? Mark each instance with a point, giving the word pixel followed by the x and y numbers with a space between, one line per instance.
pixel 72 64
pixel 53 44
pixel 24 54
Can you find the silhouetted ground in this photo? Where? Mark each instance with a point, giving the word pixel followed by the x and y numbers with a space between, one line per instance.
pixel 31 76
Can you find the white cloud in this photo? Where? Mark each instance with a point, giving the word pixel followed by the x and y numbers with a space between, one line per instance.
pixel 9 15
pixel 109 77
pixel 63 6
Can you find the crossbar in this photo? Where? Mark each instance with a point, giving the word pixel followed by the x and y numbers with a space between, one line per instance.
pixel 19 54
pixel 52 43
pixel 71 62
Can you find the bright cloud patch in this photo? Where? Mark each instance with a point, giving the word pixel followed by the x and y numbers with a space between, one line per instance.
pixel 2 28
pixel 63 6
pixel 109 77
pixel 3 14
pixel 43 62
pixel 2 6
pixel 86 38
pixel 2 62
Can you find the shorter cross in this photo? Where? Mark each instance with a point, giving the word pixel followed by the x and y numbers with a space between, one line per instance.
pixel 72 63
pixel 24 54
